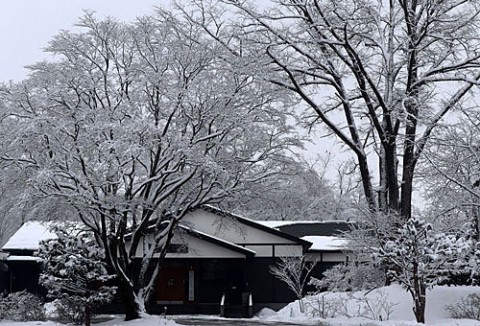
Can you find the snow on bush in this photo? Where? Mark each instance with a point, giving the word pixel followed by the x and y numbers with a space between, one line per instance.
pixel 75 274
pixel 373 306
pixel 350 277
pixel 467 308
pixel 419 258
pixel 22 306
pixel 393 303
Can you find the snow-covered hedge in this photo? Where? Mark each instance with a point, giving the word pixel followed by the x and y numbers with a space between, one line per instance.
pixel 22 306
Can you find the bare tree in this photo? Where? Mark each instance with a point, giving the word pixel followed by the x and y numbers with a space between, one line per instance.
pixel 133 126
pixel 451 179
pixel 15 202
pixel 295 272
pixel 299 193
pixel 379 75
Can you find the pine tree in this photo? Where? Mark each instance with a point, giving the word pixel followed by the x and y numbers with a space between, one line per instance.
pixel 74 272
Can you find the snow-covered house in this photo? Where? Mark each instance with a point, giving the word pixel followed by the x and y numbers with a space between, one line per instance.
pixel 20 269
pixel 213 253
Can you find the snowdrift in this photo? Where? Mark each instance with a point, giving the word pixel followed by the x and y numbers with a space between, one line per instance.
pixel 390 305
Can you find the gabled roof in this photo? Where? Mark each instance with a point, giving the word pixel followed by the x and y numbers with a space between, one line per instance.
pixel 218 241
pixel 256 224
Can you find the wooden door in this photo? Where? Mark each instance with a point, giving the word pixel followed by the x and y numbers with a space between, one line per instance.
pixel 171 285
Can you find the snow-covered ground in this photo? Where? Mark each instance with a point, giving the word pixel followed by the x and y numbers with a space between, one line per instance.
pixel 392 302
pixel 145 321
pixel 392 298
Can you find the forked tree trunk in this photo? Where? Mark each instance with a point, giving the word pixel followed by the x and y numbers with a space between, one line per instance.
pixel 418 293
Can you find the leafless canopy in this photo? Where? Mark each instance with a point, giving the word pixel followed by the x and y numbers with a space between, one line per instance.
pixel 379 75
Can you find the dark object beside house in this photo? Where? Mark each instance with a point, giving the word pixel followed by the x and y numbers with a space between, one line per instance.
pixel 236 303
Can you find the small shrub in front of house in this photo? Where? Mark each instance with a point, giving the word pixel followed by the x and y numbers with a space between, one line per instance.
pixel 75 275
pixel 70 310
pixel 295 272
pixel 467 308
pixel 374 306
pixel 22 306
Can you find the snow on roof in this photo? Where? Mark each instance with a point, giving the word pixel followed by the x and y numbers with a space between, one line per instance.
pixel 323 243
pixel 29 236
pixel 274 224
pixel 23 258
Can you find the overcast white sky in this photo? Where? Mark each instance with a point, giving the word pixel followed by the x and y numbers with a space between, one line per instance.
pixel 26 26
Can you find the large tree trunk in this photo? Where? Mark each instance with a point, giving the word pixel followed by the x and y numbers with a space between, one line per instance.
pixel 407 192
pixel 367 182
pixel 130 303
